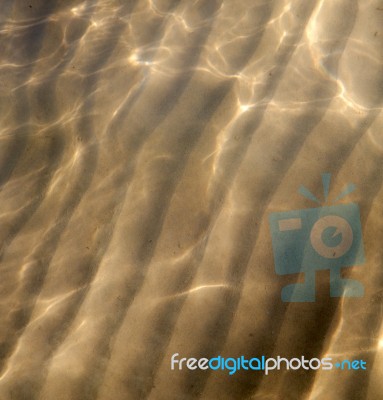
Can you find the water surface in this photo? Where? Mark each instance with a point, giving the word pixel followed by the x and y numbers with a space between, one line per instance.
pixel 143 146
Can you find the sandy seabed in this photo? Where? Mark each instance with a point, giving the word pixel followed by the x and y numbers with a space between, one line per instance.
pixel 143 146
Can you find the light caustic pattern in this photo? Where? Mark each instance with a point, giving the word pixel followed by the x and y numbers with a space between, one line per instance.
pixel 143 145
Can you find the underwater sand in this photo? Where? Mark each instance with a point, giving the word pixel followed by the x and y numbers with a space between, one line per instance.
pixel 143 146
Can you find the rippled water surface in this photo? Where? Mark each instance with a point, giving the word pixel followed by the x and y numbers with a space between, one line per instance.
pixel 143 146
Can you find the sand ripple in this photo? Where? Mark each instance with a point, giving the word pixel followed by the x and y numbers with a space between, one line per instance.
pixel 143 144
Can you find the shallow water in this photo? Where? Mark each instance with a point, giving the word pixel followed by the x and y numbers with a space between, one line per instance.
pixel 143 146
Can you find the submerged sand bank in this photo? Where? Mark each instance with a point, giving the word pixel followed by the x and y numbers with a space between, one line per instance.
pixel 143 146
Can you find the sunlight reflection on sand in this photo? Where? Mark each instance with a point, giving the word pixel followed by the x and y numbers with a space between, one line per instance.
pixel 143 145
